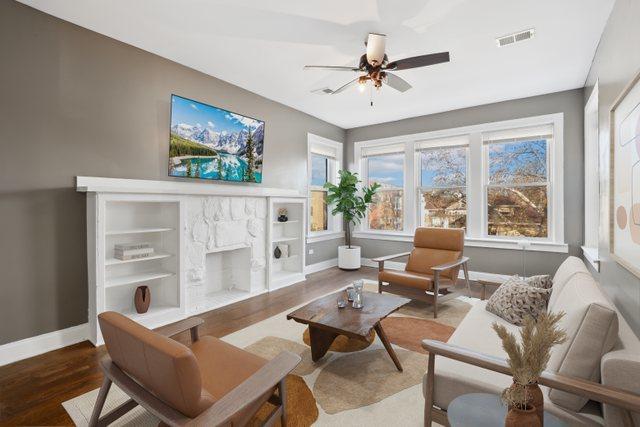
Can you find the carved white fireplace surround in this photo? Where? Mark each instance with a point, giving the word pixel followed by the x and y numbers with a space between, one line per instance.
pixel 213 245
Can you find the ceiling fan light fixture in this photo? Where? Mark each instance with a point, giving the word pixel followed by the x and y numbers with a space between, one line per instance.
pixel 375 48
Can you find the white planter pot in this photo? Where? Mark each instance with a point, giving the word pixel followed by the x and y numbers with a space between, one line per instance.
pixel 349 258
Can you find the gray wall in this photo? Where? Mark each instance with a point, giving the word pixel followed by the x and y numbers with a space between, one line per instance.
pixel 78 103
pixel 616 62
pixel 499 260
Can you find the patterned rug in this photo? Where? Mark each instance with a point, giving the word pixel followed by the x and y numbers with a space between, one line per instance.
pixel 356 383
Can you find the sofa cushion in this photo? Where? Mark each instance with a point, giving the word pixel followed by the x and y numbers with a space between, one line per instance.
pixel 571 266
pixel 515 300
pixel 591 324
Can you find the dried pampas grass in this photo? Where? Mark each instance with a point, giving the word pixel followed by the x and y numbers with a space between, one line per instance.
pixel 529 358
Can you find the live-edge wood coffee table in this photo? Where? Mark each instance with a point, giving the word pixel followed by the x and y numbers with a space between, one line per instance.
pixel 326 321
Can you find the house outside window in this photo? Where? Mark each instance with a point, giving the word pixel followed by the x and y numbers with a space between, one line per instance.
pixel 324 162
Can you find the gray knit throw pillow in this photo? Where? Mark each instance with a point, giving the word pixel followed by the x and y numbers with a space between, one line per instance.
pixel 515 300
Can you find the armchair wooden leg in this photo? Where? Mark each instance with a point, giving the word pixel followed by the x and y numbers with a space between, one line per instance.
pixel 283 401
pixel 102 397
pixel 428 398
pixel 379 286
pixel 436 290
pixel 465 268
pixel 380 269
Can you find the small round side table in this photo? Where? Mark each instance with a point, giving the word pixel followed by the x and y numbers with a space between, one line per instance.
pixel 485 410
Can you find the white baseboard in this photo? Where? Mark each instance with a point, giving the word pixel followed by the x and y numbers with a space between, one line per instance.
pixel 319 266
pixel 473 275
pixel 29 347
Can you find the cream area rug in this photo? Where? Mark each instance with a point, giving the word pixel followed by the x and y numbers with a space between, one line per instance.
pixel 355 384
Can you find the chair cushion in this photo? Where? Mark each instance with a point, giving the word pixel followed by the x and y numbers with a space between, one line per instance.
pixel 224 367
pixel 407 278
pixel 591 324
pixel 448 239
pixel 161 365
pixel 514 300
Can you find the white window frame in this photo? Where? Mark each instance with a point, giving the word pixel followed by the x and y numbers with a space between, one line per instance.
pixel 317 145
pixel 477 232
pixel 591 180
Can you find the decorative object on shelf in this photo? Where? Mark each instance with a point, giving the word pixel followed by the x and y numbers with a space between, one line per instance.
pixel 527 360
pixel 284 250
pixel 129 251
pixel 353 208
pixel 229 147
pixel 277 253
pixel 282 215
pixel 625 173
pixel 358 297
pixel 142 299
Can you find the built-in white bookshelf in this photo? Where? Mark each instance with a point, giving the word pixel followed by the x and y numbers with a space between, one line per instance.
pixel 285 271
pixel 122 219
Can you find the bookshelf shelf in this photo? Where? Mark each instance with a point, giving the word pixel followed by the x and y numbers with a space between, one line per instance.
pixel 142 230
pixel 157 255
pixel 287 271
pixel 136 278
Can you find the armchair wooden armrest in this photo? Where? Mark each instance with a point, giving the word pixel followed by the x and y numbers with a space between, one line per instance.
pixel 589 389
pixel 251 389
pixel 449 265
pixel 388 257
pixel 190 324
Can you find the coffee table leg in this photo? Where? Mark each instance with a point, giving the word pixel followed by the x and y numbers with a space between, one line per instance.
pixel 387 345
pixel 320 340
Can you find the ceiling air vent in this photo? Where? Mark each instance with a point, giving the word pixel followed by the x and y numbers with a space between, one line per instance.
pixel 515 37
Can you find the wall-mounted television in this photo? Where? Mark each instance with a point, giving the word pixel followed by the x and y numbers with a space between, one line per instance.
pixel 207 142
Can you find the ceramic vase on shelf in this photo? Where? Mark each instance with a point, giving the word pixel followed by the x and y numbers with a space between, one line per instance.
pixel 142 299
pixel 522 417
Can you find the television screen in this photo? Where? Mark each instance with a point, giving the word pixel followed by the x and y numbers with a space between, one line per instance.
pixel 211 143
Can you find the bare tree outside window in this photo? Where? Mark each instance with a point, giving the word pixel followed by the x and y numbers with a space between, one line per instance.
pixel 386 210
pixel 443 187
pixel 518 187
pixel 319 176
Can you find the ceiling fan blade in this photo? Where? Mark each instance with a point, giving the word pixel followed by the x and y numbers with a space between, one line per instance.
pixel 345 86
pixel 418 61
pixel 397 82
pixel 331 67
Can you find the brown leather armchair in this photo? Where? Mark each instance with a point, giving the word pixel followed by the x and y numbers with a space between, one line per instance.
pixel 432 269
pixel 210 383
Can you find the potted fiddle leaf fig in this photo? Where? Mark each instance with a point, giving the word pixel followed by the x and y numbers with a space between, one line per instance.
pixel 347 200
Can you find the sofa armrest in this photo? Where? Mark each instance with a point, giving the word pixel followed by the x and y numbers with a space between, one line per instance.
pixel 388 257
pixel 190 324
pixel 449 265
pixel 589 389
pixel 248 391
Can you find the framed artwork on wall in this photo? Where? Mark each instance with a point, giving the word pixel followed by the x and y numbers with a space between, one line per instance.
pixel 625 177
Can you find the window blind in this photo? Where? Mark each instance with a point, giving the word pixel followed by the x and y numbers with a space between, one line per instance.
pixel 381 150
pixel 448 142
pixel 324 150
pixel 531 133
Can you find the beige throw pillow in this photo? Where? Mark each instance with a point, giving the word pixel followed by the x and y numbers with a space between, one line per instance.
pixel 540 281
pixel 514 300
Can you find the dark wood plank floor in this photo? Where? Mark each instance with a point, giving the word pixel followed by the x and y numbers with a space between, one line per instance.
pixel 32 390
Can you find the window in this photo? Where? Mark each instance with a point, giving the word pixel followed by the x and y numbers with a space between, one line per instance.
pixel 318 207
pixel 325 159
pixel 386 167
pixel 443 183
pixel 517 184
pixel 497 181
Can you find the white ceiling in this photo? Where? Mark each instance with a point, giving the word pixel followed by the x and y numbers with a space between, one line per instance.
pixel 263 45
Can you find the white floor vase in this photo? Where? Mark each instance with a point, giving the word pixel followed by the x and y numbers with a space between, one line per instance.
pixel 349 257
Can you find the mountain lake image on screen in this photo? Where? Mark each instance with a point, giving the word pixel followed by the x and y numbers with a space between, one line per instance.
pixel 211 143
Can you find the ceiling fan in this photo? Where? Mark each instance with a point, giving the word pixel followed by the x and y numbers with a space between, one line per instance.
pixel 376 66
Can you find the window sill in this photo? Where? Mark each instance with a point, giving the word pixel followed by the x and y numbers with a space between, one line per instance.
pixel 533 246
pixel 322 237
pixel 591 255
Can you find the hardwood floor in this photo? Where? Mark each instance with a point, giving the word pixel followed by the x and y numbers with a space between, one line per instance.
pixel 32 390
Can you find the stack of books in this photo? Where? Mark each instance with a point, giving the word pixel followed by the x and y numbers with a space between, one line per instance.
pixel 128 251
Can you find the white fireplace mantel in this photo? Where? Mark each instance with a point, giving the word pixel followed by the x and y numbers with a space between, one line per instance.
pixel 213 244
pixel 92 184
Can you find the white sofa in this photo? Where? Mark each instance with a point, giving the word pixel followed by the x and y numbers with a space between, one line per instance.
pixel 600 347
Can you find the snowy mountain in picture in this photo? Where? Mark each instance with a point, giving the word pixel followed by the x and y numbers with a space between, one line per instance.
pixel 211 143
